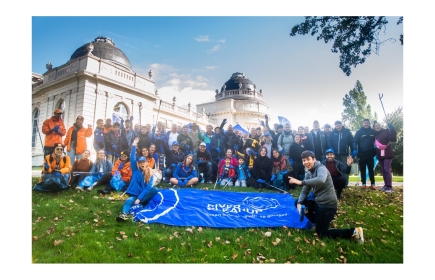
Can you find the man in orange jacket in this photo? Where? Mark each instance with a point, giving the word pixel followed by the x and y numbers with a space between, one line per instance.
pixel 75 139
pixel 54 129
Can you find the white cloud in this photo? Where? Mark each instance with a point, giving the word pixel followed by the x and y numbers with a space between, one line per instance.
pixel 211 67
pixel 202 39
pixel 214 49
pixel 222 41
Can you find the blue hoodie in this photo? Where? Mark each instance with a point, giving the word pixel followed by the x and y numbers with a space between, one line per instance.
pixel 137 186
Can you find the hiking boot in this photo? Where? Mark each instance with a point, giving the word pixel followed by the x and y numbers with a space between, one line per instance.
pixel 388 189
pixel 358 235
pixel 78 188
pixel 122 217
pixel 363 186
pixel 373 187
pixel 383 189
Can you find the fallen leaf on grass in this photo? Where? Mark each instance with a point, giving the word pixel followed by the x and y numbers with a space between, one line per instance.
pixel 272 260
pixel 125 236
pixel 189 230
pixel 217 238
pixel 268 234
pixel 276 241
pixel 121 232
pixel 161 248
pixel 57 242
pixel 95 221
pixel 210 244
pixel 227 242
pixel 200 229
pixel 118 239
pixel 234 257
pixel 62 206
pixel 306 240
pixel 136 235
pixel 71 201
pixel 50 230
pixel 35 238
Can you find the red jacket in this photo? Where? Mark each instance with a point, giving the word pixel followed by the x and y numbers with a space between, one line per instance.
pixel 81 140
pixel 52 137
pixel 230 174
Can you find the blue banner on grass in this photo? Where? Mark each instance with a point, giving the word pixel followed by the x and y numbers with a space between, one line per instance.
pixel 220 209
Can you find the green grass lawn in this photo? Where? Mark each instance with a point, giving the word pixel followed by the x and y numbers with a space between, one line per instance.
pixel 72 227
pixel 377 179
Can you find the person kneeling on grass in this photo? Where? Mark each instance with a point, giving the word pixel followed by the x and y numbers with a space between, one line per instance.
pixel 185 173
pixel 322 209
pixel 140 189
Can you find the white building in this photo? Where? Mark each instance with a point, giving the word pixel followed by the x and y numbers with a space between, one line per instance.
pixel 238 101
pixel 98 81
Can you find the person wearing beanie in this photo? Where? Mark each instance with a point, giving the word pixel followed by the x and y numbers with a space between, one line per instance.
pixel 56 164
pixel 340 140
pixel 338 171
pixel 54 130
pixel 75 140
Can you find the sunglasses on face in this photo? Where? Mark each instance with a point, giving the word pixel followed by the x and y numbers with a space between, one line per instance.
pixel 59 149
pixel 123 155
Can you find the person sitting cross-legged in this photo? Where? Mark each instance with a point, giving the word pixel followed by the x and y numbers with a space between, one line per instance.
pixel 338 171
pixel 185 173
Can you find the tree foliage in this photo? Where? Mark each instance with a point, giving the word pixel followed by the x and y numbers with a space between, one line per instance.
pixel 396 119
pixel 356 108
pixel 354 37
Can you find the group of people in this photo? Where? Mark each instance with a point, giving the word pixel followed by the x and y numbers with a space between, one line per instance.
pixel 262 158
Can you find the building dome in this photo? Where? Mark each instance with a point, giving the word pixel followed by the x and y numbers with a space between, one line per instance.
pixel 238 81
pixel 239 87
pixel 104 48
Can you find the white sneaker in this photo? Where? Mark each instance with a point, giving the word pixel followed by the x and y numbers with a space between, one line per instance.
pixel 89 188
pixel 358 235
pixel 78 188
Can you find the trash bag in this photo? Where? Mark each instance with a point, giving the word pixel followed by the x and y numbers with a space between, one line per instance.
pixel 116 182
pixel 89 180
pixel 279 181
pixel 51 183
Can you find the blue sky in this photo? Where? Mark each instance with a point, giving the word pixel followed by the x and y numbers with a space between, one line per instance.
pixel 193 56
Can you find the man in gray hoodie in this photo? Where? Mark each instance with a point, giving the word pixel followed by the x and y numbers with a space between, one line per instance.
pixel 322 209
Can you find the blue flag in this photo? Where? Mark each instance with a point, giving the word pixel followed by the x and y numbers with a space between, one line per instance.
pixel 283 120
pixel 220 209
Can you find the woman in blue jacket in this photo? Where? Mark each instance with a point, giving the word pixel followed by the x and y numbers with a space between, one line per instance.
pixel 185 173
pixel 140 189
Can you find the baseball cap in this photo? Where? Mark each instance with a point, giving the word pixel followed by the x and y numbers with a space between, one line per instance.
pixel 202 144
pixel 329 151
pixel 58 111
pixel 337 122
pixel 175 143
pixel 142 159
pixel 267 134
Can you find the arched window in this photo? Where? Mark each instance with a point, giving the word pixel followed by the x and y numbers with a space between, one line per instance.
pixel 120 110
pixel 35 128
